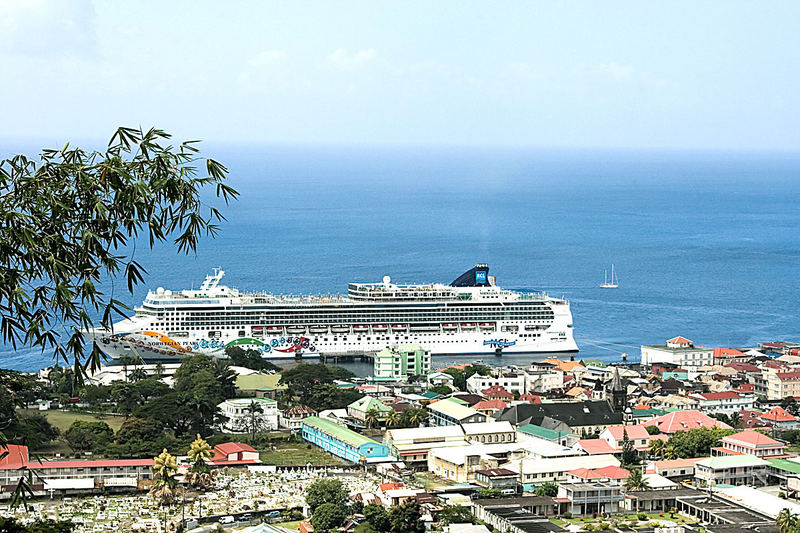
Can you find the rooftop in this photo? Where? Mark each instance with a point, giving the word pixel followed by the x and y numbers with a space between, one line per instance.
pixel 338 432
pixel 751 437
pixel 731 461
pixel 452 409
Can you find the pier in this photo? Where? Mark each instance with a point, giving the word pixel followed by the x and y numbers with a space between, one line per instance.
pixel 347 357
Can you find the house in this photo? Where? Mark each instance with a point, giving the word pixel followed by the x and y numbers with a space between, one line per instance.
pixel 594 447
pixel 436 379
pixel 359 408
pixel 606 474
pixel 732 470
pixel 751 442
pixel 343 442
pixel 401 361
pixel 780 418
pixel 72 476
pixel 684 421
pixel 411 445
pixel 502 479
pixel 727 402
pixel 564 438
pixel 488 432
pixel 490 407
pixel 615 436
pixel 589 498
pixel 678 351
pixel 497 392
pixel 727 355
pixel 246 415
pixel 674 469
pixel 536 471
pixel 260 385
pixel 234 454
pixel 460 463
pixel 450 412
pixel 292 418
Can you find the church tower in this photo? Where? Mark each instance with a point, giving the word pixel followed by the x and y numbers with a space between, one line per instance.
pixel 619 393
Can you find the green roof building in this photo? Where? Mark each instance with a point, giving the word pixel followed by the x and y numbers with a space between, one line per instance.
pixel 343 442
pixel 260 385
pixel 359 408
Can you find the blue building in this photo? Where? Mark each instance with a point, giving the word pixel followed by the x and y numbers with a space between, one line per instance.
pixel 343 442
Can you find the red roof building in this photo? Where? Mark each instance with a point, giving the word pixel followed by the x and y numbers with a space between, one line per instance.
pixel 530 398
pixel 612 473
pixel 234 454
pixel 595 447
pixel 779 417
pixel 489 407
pixel 684 421
pixel 679 342
pixel 497 392
pixel 752 442
pixel 745 388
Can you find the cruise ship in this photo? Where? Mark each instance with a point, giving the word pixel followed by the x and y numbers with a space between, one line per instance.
pixel 472 315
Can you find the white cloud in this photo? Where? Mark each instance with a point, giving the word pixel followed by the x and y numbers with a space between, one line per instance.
pixel 342 58
pixel 47 28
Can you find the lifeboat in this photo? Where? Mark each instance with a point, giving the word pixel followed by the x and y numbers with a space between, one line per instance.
pixel 318 329
pixel 399 327
pixel 274 329
pixel 360 327
pixel 257 330
pixel 486 325
pixel 449 327
pixel 296 329
pixel 468 325
pixel 380 327
pixel 340 329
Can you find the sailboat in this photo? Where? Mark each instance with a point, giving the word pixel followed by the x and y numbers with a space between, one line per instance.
pixel 613 283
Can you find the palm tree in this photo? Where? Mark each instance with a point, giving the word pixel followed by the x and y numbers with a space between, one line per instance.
pixel 636 481
pixel 786 520
pixel 669 452
pixel 200 475
pixel 736 420
pixel 656 448
pixel 371 418
pixel 417 417
pixel 164 469
pixel 394 419
pixel 255 422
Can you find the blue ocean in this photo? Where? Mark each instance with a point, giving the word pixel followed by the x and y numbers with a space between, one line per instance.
pixel 706 245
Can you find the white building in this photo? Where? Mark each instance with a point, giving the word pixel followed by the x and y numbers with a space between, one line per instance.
pixel 544 380
pixel 510 381
pixel 245 415
pixel 535 471
pixel 489 432
pixel 727 402
pixel 679 351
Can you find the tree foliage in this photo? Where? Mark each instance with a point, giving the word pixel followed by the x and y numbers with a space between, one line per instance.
pixel 328 517
pixel 304 378
pixel 406 518
pixel 377 517
pixel 326 490
pixel 460 377
pixel 455 514
pixel 251 359
pixel 69 221
pixel 11 525
pixel 84 436
pixel 548 488
pixel 696 442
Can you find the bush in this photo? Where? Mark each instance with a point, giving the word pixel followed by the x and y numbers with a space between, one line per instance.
pixel 567 515
pixel 642 516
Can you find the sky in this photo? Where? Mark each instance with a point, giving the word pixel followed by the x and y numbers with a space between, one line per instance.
pixel 722 75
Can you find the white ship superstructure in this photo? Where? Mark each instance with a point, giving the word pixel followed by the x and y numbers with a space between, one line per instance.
pixel 472 315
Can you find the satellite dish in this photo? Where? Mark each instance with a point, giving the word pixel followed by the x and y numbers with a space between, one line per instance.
pixel 386 280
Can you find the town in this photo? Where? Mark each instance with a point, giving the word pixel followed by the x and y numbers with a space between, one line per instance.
pixel 691 438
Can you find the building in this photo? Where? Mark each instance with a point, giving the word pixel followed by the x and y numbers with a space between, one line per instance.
pixel 727 402
pixel 724 356
pixel 260 385
pixel 564 438
pixel 246 415
pixel 607 474
pixel 450 412
pixel 783 384
pixel 343 442
pixel 459 463
pixel 436 379
pixel 779 418
pixel 684 421
pixel 678 351
pixel 674 469
pixel 292 418
pixel 78 476
pixel 489 432
pixel 732 470
pixel 502 479
pixel 490 407
pixel 582 418
pixel 535 471
pixel 401 361
pixel 234 454
pixel 751 442
pixel 615 436
pixel 411 445
pixel 359 408
pixel 511 382
pixel 588 498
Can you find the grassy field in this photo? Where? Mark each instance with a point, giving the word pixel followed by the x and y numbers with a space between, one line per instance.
pixel 298 454
pixel 290 525
pixel 629 518
pixel 62 419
